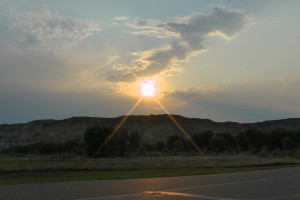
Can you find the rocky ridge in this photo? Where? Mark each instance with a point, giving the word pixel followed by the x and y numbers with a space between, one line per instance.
pixel 153 128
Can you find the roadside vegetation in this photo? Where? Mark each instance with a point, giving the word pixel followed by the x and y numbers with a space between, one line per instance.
pixel 48 169
pixel 72 175
pixel 124 155
pixel 99 143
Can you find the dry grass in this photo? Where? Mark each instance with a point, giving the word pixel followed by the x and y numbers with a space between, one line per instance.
pixel 176 162
pixel 46 169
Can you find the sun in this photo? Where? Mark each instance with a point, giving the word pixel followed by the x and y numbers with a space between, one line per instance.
pixel 148 89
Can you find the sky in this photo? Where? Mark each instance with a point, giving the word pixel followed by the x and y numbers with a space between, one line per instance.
pixel 224 60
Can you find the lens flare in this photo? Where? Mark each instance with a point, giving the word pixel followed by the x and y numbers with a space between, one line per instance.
pixel 148 89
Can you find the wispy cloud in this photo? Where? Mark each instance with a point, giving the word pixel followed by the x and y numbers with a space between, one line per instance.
pixel 47 24
pixel 188 33
pixel 152 28
pixel 290 79
pixel 189 95
pixel 152 62
pixel 28 41
pixel 121 18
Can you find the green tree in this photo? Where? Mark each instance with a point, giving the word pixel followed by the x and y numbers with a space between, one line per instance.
pixel 288 143
pixel 251 139
pixel 275 137
pixel 100 143
pixel 94 139
pixel 231 143
pixel 119 143
pixel 202 140
pixel 134 141
pixel 218 144
pixel 176 143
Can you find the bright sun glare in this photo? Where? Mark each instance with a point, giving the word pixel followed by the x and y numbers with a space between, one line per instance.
pixel 148 89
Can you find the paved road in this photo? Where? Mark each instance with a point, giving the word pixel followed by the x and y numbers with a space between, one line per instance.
pixel 264 185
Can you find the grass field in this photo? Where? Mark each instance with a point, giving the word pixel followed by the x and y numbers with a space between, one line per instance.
pixel 39 170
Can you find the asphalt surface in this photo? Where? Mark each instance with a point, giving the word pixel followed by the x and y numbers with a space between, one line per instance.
pixel 263 185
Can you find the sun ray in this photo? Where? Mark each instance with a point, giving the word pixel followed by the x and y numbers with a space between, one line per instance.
pixel 188 137
pixel 118 126
pixel 123 120
pixel 192 142
pixel 178 126
pixel 115 130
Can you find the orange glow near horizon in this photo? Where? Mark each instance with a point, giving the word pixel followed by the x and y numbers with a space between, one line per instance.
pixel 148 91
pixel 148 88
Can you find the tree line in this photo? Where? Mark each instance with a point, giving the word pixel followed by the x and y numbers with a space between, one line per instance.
pixel 99 142
pixel 47 148
pixel 248 141
pixel 128 143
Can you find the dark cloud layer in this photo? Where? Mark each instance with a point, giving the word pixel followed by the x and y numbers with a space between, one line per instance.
pixel 242 103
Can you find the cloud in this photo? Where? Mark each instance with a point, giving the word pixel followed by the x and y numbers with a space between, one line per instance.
pixel 19 104
pixel 223 21
pixel 196 95
pixel 125 77
pixel 40 70
pixel 158 61
pixel 186 95
pixel 152 28
pixel 244 103
pixel 188 33
pixel 30 40
pixel 122 18
pixel 47 24
pixel 290 79
pixel 152 62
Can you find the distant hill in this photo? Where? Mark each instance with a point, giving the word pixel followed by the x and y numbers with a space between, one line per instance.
pixel 153 128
